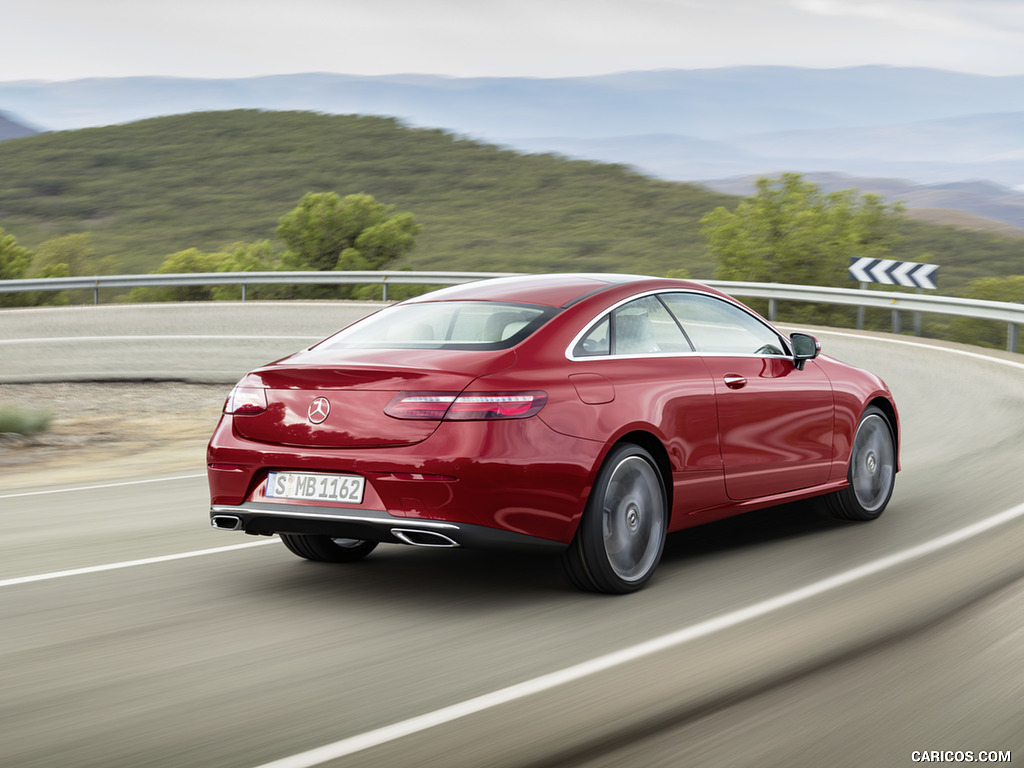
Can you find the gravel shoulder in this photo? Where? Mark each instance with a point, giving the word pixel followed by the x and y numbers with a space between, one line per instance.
pixel 109 430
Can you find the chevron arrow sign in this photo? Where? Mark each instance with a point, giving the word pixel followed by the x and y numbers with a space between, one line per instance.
pixel 906 273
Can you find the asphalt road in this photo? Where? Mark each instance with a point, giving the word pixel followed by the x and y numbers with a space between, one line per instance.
pixel 778 638
pixel 203 342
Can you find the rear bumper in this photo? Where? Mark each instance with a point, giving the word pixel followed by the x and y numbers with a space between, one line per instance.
pixel 262 518
pixel 515 477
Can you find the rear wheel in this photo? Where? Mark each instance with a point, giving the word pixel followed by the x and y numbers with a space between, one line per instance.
pixel 327 549
pixel 622 533
pixel 872 472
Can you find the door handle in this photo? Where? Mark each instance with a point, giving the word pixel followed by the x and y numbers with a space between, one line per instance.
pixel 735 381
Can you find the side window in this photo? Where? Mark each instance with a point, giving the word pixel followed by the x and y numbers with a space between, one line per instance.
pixel 717 327
pixel 596 343
pixel 644 327
pixel 641 327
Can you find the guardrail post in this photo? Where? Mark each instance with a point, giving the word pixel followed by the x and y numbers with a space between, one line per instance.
pixel 1011 337
pixel 384 288
pixel 860 310
pixel 96 293
pixel 896 321
pixel 244 287
pixel 771 310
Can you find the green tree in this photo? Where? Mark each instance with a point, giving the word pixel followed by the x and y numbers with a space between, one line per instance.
pixel 14 259
pixel 182 262
pixel 239 257
pixel 326 232
pixel 75 252
pixel 791 232
pixel 14 262
pixel 66 256
pixel 38 298
pixel 247 257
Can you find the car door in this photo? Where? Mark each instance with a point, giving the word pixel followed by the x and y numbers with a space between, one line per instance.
pixel 775 422
pixel 636 363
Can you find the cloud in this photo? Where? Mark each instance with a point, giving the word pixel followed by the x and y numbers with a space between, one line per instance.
pixel 68 39
pixel 980 18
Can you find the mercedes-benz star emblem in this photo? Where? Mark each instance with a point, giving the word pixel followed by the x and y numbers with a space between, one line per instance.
pixel 318 410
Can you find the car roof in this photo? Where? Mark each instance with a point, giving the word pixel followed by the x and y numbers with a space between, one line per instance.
pixel 555 290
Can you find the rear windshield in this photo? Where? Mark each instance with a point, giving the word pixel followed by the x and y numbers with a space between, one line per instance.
pixel 480 325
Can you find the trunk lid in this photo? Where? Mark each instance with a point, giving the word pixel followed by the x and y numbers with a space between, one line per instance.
pixel 357 386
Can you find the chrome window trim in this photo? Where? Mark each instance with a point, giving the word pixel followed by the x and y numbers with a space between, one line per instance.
pixel 658 292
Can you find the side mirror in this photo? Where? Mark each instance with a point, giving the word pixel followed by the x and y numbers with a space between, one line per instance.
pixel 805 347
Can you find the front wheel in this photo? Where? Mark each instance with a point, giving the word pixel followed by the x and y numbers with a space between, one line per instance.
pixel 872 471
pixel 327 549
pixel 622 533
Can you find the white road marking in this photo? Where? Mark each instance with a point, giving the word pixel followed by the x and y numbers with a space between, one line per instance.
pixel 388 733
pixel 129 563
pixel 104 485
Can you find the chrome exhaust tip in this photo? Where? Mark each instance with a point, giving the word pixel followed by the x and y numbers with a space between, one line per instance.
pixel 418 538
pixel 226 522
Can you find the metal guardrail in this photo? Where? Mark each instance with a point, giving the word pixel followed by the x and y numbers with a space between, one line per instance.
pixel 244 279
pixel 1011 314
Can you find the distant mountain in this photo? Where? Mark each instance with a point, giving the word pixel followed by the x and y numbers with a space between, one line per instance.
pixel 984 146
pixel 10 129
pixel 970 139
pixel 925 126
pixel 710 104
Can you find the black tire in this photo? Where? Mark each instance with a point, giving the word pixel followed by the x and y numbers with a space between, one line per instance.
pixel 872 471
pixel 326 549
pixel 621 536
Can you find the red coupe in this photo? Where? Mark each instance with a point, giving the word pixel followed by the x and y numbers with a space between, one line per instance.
pixel 587 414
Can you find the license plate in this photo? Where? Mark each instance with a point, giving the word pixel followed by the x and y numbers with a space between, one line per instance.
pixel 300 485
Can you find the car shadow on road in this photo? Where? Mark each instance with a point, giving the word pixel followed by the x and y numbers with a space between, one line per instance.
pixel 402 574
pixel 762 526
pixel 398 573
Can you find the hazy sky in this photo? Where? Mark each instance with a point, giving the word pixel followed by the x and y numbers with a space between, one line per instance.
pixel 68 39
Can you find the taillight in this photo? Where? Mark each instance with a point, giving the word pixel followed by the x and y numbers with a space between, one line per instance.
pixel 420 405
pixel 496 405
pixel 246 401
pixel 451 406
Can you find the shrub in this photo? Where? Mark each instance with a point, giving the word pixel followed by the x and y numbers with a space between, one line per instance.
pixel 24 421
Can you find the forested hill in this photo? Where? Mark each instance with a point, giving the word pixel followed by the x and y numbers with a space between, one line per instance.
pixel 205 180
